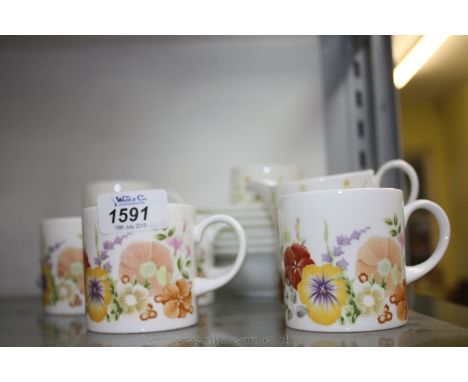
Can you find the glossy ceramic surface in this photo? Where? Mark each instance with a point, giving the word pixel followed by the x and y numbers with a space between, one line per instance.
pixel 147 280
pixel 343 258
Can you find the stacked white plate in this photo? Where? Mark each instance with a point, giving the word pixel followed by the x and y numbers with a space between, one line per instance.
pixel 258 276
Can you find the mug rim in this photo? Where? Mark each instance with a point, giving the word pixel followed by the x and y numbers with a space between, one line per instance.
pixel 261 166
pixel 60 219
pixel 103 181
pixel 339 191
pixel 325 177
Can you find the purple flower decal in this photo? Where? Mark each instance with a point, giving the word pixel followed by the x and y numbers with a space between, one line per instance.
pixel 107 267
pixel 337 251
pixel 322 291
pixel 95 292
pixel 355 235
pixel 107 245
pixel 119 239
pixel 343 240
pixel 175 243
pixel 343 264
pixel 335 256
pixel 54 247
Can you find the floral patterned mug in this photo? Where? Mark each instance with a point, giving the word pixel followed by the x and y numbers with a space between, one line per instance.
pixel 242 176
pixel 62 278
pixel 271 191
pixel 146 281
pixel 344 258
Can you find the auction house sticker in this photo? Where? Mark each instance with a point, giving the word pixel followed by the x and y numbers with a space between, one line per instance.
pixel 133 211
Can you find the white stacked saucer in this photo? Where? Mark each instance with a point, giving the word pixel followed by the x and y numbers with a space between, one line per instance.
pixel 258 276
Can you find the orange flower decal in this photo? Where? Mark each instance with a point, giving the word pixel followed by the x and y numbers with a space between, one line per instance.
pixel 363 277
pixel 70 266
pixel 399 298
pixel 147 262
pixel 380 257
pixel 177 299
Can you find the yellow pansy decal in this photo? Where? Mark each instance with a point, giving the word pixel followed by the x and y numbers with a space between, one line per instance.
pixel 323 292
pixel 98 294
pixel 47 285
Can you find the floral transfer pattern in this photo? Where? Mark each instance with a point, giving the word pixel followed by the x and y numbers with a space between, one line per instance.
pixel 321 288
pixel 177 299
pixel 150 274
pixel 66 284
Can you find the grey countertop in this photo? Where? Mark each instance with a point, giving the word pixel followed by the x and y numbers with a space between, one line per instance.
pixel 233 322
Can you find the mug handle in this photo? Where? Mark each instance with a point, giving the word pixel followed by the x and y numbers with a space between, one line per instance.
pixel 215 271
pixel 203 284
pixel 415 272
pixel 407 169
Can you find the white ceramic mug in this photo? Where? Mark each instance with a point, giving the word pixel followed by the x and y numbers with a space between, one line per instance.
pixel 270 191
pixel 94 189
pixel 146 281
pixel 62 270
pixel 241 176
pixel 344 258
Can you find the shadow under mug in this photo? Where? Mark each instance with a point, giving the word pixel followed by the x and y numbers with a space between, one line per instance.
pixel 343 260
pixel 147 281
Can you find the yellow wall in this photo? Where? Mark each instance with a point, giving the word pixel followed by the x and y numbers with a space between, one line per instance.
pixel 437 132
pixel 455 110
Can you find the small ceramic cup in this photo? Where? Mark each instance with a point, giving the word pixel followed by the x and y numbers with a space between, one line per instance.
pixel 344 258
pixel 271 191
pixel 146 281
pixel 241 176
pixel 62 269
pixel 94 189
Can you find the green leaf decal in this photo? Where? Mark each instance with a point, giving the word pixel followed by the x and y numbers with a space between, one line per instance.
pixel 399 228
pixel 325 232
pixel 287 237
pixel 301 311
pixel 395 220
pixel 161 236
pixel 188 263
pixel 393 232
pixel 171 232
pixel 185 274
pixel 161 275
pixel 96 239
pixel 179 263
pixel 388 221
